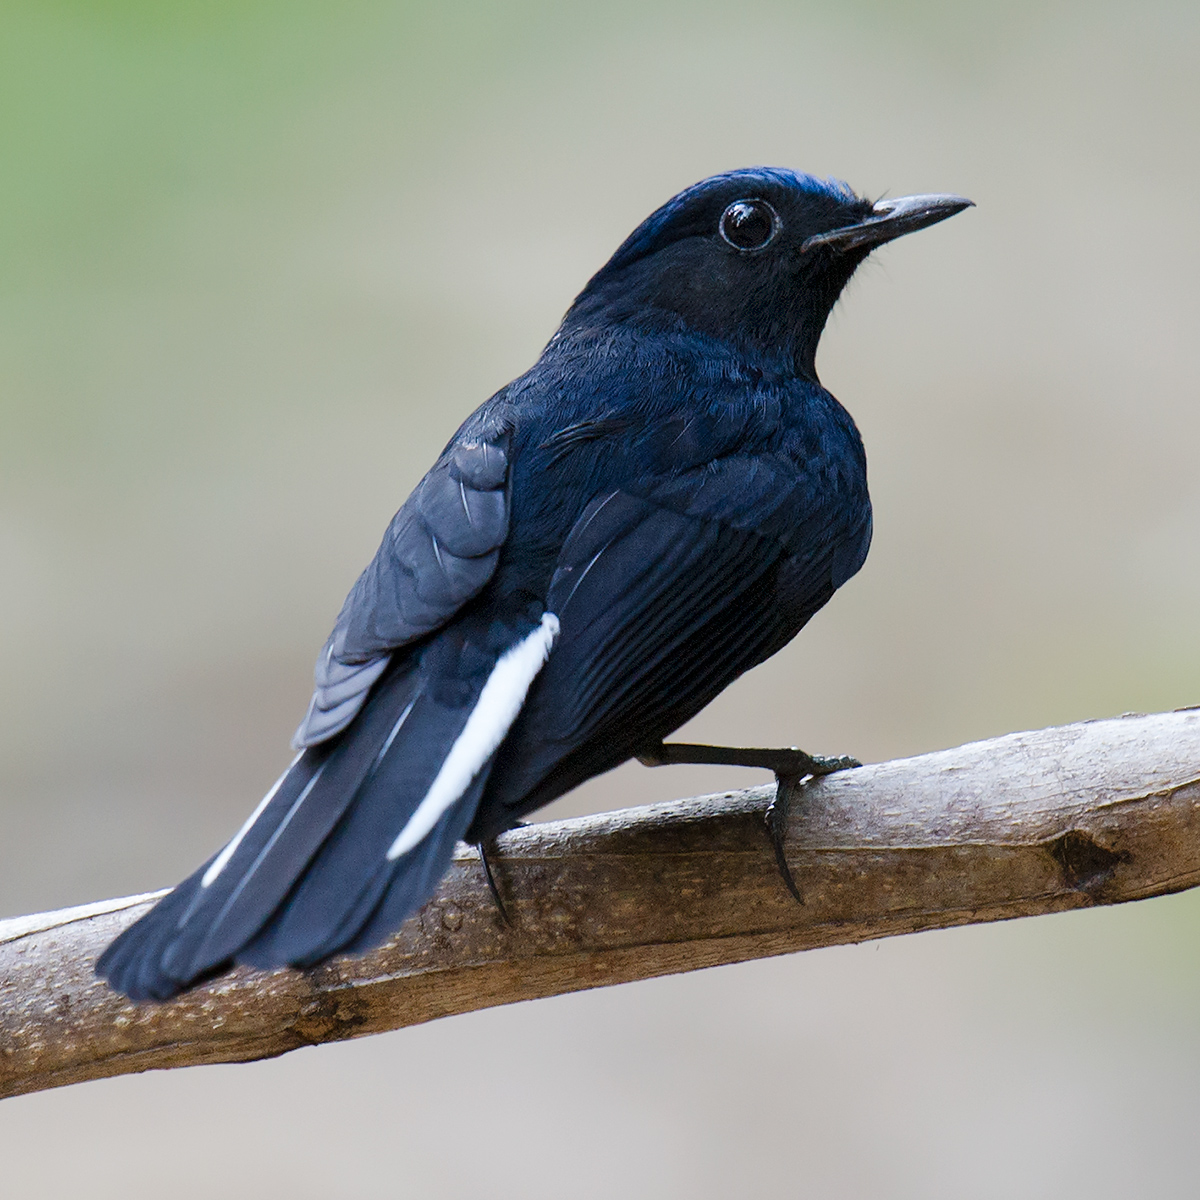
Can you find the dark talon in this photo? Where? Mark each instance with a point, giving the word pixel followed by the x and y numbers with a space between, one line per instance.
pixel 776 821
pixel 491 882
pixel 802 766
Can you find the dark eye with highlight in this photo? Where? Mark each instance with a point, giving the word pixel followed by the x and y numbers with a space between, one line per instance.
pixel 749 224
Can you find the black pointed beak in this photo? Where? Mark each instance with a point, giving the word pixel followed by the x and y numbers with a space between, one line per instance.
pixel 890 219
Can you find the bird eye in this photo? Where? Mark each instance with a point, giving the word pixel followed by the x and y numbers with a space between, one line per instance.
pixel 749 224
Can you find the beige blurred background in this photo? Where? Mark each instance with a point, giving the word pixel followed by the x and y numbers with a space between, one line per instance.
pixel 257 261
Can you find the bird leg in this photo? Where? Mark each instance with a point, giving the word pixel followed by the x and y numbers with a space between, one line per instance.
pixel 789 764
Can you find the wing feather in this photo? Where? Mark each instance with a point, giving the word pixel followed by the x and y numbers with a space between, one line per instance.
pixel 439 552
pixel 664 598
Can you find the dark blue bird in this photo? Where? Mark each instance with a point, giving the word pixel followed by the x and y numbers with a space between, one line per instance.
pixel 660 503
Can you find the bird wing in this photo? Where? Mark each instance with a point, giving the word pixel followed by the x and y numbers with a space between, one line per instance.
pixel 664 597
pixel 439 551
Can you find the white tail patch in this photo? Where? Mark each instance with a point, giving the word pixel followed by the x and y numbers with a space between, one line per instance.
pixel 391 737
pixel 222 860
pixel 490 719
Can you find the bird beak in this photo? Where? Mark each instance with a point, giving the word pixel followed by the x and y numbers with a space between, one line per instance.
pixel 890 219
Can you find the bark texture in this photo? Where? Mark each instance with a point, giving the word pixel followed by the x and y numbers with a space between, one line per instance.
pixel 1096 813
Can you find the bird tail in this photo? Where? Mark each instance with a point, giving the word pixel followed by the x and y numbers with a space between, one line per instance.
pixel 357 832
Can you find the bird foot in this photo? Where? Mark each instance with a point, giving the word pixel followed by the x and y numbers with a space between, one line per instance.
pixel 776 816
pixel 789 764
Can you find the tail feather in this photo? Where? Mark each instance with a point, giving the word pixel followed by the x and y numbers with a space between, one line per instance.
pixel 350 872
pixel 392 893
pixel 262 875
pixel 315 870
pixel 256 877
pixel 408 889
pixel 125 963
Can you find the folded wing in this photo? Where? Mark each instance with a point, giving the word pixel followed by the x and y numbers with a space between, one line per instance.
pixel 664 598
pixel 439 551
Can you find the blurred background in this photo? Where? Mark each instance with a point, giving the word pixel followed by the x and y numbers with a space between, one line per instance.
pixel 258 260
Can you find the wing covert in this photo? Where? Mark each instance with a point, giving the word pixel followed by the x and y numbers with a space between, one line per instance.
pixel 439 552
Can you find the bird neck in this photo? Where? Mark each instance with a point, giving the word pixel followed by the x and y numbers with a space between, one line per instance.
pixel 651 341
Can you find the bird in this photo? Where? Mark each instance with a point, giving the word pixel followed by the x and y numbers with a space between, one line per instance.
pixel 661 502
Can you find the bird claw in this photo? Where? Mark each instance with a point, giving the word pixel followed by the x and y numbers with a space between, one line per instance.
pixel 776 821
pixel 802 766
pixel 491 882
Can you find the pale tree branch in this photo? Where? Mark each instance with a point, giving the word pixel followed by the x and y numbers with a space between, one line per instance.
pixel 1095 813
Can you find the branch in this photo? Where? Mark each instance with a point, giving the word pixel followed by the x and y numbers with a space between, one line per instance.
pixel 1096 813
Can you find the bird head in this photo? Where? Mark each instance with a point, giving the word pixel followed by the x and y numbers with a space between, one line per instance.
pixel 755 257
